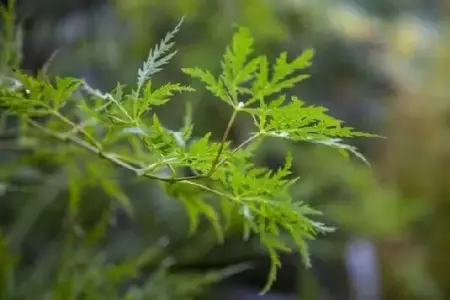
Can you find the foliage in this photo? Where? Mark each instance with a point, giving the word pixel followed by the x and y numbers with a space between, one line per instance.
pixel 94 131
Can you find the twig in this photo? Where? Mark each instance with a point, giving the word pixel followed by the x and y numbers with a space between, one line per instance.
pixel 222 143
pixel 246 142
pixel 218 193
pixel 75 127
pixel 108 156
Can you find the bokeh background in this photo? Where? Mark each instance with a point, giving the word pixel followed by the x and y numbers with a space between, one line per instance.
pixel 382 66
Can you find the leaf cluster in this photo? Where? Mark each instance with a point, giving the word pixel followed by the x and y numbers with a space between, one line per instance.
pixel 120 128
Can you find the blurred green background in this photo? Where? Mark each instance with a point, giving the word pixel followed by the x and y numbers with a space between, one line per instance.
pixel 382 66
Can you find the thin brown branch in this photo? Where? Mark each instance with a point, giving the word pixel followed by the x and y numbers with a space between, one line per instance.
pixel 222 143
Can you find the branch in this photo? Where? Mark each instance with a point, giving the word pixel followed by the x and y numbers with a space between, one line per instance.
pixel 108 156
pixel 113 159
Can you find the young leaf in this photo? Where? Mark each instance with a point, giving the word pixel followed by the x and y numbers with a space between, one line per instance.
pixel 157 58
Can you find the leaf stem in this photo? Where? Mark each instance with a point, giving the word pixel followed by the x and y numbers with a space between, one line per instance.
pixel 204 187
pixel 75 128
pixel 243 144
pixel 223 141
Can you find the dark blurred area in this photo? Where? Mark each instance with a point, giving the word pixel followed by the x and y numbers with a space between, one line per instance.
pixel 382 66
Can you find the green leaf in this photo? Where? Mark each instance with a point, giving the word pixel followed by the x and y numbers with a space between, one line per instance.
pixel 157 58
pixel 214 86
pixel 196 205
pixel 65 87
pixel 283 68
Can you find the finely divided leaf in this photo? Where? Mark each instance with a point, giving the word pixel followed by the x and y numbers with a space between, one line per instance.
pixel 157 57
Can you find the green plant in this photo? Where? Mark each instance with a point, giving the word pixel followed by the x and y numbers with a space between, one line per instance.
pixel 97 131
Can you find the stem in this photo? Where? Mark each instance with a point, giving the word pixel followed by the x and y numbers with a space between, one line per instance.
pixel 222 143
pixel 75 128
pixel 110 157
pixel 246 142
pixel 204 187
